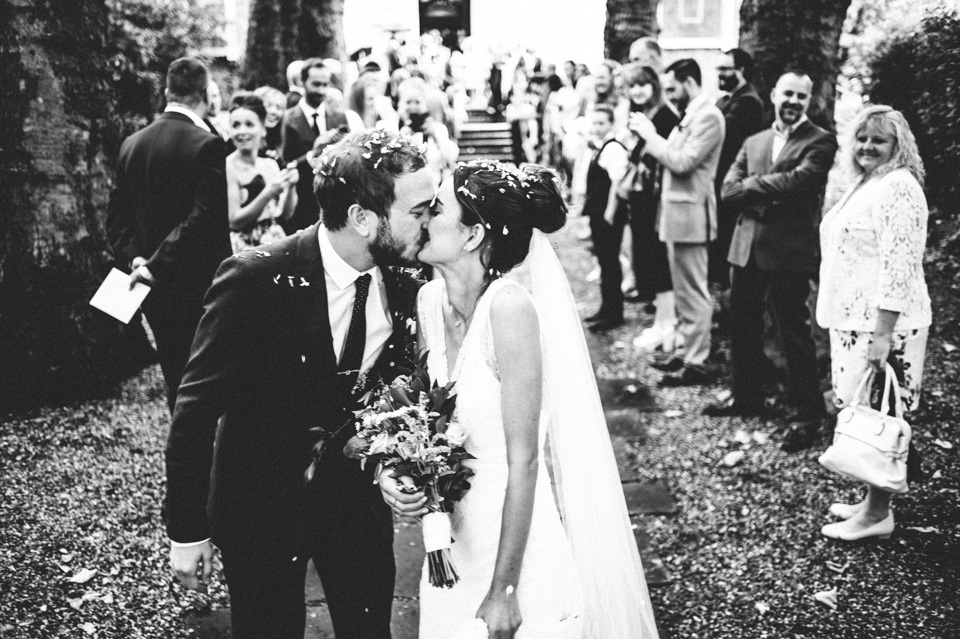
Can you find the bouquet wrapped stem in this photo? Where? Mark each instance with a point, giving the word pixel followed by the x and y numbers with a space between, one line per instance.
pixel 409 428
pixel 436 541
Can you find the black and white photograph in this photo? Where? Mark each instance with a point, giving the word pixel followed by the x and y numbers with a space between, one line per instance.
pixel 479 319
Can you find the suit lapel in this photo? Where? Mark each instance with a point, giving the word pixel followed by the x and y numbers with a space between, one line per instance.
pixel 766 151
pixel 319 338
pixel 793 142
pixel 303 127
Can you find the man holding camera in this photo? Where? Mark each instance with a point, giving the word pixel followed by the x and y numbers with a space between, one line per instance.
pixel 308 128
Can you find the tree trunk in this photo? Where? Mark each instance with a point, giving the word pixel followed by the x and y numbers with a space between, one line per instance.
pixel 805 33
pixel 321 29
pixel 627 20
pixel 54 102
pixel 282 31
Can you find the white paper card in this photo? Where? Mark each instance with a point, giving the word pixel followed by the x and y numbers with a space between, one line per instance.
pixel 116 298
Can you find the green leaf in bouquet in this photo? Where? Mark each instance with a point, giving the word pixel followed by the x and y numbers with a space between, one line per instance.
pixel 440 425
pixel 356 448
pixel 400 396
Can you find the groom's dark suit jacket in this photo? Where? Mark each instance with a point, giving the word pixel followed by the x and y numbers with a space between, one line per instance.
pixel 263 360
pixel 780 202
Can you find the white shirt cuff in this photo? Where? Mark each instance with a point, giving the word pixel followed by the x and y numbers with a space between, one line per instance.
pixel 179 544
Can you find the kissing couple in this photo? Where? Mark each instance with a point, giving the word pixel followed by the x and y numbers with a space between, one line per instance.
pixel 293 335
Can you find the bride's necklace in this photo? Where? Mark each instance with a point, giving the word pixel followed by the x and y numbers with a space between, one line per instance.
pixel 460 320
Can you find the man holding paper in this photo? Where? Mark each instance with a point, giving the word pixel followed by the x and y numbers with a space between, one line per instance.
pixel 167 219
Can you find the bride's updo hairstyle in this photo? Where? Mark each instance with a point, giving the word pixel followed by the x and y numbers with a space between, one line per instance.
pixel 509 203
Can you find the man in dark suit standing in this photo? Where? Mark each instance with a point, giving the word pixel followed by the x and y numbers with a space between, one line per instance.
pixel 167 218
pixel 777 184
pixel 742 111
pixel 308 128
pixel 291 338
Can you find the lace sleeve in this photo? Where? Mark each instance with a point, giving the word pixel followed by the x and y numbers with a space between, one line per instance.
pixel 900 217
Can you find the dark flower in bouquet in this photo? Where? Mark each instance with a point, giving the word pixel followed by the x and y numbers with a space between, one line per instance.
pixel 408 426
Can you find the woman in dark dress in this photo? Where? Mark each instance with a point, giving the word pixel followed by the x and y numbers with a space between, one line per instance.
pixel 259 192
pixel 650 265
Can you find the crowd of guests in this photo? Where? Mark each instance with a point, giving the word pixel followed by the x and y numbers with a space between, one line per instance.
pixel 723 205
pixel 714 201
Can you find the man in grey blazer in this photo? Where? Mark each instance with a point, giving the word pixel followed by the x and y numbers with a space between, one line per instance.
pixel 688 211
pixel 777 184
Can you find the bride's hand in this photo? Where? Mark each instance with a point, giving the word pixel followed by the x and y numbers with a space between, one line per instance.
pixel 501 612
pixel 396 493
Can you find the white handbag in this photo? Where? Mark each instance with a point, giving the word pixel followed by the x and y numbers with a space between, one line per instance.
pixel 871 445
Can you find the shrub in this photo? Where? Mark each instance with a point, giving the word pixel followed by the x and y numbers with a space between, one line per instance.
pixel 919 74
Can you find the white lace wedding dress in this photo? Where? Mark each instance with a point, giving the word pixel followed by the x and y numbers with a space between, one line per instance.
pixel 548 591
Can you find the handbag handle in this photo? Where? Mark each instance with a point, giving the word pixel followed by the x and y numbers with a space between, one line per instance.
pixel 890 381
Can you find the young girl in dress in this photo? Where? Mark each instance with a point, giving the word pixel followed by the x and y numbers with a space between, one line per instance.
pixel 259 193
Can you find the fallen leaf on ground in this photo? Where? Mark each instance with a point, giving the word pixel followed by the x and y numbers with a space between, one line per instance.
pixel 89 628
pixel 761 607
pixel 75 603
pixel 936 475
pixel 107 598
pixel 942 444
pixel 672 413
pixel 724 395
pixel 761 438
pixel 947 346
pixel 66 558
pixel 742 437
pixel 630 388
pixel 827 598
pixel 924 529
pixel 83 576
pixel 733 458
pixel 835 567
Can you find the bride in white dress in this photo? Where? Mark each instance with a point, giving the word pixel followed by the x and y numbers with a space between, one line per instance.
pixel 524 386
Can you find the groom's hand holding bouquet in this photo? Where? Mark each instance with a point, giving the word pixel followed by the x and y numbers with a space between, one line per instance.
pixel 407 429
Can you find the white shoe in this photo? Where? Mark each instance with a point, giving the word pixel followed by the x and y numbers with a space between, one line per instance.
pixel 672 340
pixel 844 511
pixel 649 339
pixel 849 531
pixel 594 275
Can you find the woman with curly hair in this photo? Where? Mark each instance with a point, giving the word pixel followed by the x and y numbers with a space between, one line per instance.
pixel 873 296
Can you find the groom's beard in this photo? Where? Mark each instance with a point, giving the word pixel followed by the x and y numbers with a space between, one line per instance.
pixel 387 250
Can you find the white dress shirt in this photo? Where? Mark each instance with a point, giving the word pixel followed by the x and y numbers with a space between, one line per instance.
pixel 182 110
pixel 780 137
pixel 309 112
pixel 339 277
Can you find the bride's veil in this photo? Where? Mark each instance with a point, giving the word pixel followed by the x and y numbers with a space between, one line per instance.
pixel 616 602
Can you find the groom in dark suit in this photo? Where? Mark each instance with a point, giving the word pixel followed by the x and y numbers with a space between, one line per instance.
pixel 167 217
pixel 293 334
pixel 308 128
pixel 777 184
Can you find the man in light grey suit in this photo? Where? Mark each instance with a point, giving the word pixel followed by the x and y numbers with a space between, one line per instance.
pixel 688 211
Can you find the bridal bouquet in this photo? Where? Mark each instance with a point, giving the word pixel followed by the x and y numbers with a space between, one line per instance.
pixel 408 426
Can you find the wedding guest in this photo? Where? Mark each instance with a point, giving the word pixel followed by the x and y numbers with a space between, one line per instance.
pixel 275 104
pixel 650 265
pixel 294 83
pixel 214 116
pixel 688 214
pixel 414 119
pixel 646 52
pixel 365 100
pixel 743 114
pixel 167 217
pixel 308 128
pixel 873 296
pixel 259 193
pixel 607 166
pixel 776 188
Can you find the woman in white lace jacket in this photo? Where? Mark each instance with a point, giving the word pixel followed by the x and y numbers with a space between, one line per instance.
pixel 872 295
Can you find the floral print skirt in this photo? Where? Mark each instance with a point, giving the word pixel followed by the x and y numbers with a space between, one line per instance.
pixel 848 355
